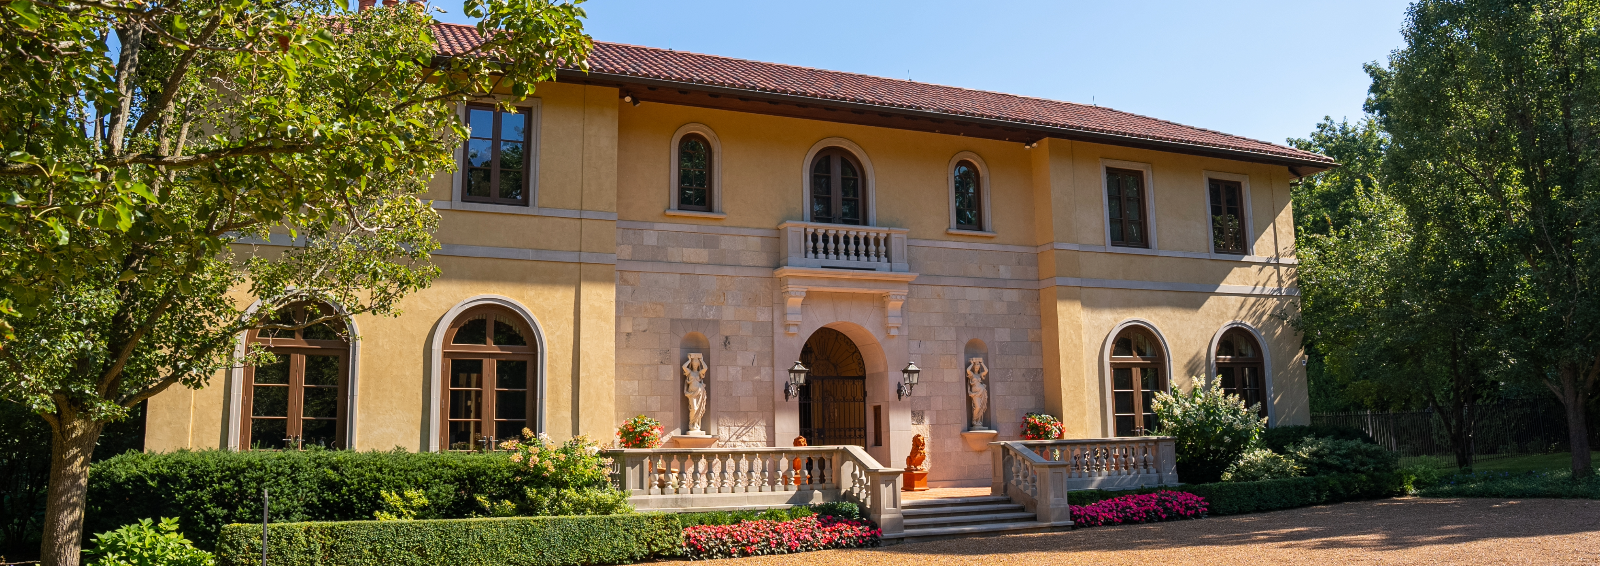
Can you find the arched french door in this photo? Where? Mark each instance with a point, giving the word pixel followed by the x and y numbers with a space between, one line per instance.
pixel 490 389
pixel 1137 373
pixel 1241 369
pixel 833 402
pixel 300 398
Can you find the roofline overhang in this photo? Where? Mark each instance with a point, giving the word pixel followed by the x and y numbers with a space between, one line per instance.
pixel 1297 167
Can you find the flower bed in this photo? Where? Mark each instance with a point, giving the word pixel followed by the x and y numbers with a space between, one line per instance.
pixel 755 538
pixel 1140 508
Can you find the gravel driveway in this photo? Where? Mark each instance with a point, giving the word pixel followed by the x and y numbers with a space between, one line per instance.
pixel 1394 531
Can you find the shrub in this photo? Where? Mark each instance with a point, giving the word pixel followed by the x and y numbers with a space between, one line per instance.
pixel 1211 429
pixel 404 506
pixel 1538 483
pixel 840 509
pixel 512 541
pixel 1140 508
pixel 736 517
pixel 755 538
pixel 1039 426
pixel 640 432
pixel 209 489
pixel 1322 456
pixel 147 543
pixel 1279 439
pixel 1258 464
pixel 1419 476
pixel 1233 498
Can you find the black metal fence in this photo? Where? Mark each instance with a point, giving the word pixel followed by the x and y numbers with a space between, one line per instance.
pixel 1499 429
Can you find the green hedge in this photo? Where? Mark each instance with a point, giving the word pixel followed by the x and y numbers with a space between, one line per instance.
pixel 1234 498
pixel 736 517
pixel 509 541
pixel 209 489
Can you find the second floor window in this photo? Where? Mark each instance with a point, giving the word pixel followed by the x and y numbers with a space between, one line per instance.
pixel 694 173
pixel 836 188
pixel 497 151
pixel 1125 208
pixel 969 196
pixel 1227 217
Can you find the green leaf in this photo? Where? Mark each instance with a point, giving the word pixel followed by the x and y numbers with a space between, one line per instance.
pixel 26 12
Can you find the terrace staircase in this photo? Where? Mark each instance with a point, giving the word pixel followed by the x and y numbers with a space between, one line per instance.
pixel 933 519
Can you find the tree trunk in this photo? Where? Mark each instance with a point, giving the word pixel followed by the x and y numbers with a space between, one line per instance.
pixel 1573 398
pixel 71 447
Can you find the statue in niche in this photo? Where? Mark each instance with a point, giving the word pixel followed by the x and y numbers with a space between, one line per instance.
pixel 694 387
pixel 919 454
pixel 978 391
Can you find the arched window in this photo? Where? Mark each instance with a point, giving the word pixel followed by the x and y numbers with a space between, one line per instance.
pixel 489 391
pixel 1136 376
pixel 1241 369
pixel 301 397
pixel 968 185
pixel 694 173
pixel 837 188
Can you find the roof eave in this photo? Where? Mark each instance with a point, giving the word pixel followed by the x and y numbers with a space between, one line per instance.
pixel 1300 167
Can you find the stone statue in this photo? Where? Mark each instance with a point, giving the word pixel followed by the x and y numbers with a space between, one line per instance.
pixel 694 387
pixel 919 454
pixel 978 391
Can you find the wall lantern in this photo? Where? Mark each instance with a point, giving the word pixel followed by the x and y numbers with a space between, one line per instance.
pixel 910 380
pixel 797 377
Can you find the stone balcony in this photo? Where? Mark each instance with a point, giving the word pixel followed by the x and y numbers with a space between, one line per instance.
pixel 842 246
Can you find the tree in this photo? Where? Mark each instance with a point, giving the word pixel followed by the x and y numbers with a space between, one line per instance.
pixel 143 177
pixel 1493 108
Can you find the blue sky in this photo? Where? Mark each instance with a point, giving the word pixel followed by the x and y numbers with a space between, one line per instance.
pixel 1262 69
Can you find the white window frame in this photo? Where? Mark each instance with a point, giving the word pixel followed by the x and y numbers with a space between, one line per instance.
pixel 705 131
pixel 1244 208
pixel 985 186
pixel 1149 203
pixel 534 113
pixel 870 185
pixel 1266 363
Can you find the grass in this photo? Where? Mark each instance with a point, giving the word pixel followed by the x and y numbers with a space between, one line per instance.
pixel 1521 463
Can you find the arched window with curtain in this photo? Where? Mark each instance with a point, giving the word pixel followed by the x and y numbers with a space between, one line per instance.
pixel 1241 369
pixel 300 398
pixel 1137 373
pixel 695 181
pixel 837 188
pixel 490 393
pixel 968 185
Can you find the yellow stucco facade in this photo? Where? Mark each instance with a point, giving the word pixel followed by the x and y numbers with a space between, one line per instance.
pixel 619 287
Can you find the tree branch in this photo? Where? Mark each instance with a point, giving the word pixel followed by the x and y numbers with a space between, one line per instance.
pixel 179 71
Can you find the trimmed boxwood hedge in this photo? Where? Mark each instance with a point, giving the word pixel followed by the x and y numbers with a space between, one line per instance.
pixel 1234 498
pixel 508 541
pixel 211 488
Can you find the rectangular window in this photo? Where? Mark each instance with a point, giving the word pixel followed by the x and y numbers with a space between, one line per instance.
pixel 496 166
pixel 1125 209
pixel 1227 217
pixel 877 425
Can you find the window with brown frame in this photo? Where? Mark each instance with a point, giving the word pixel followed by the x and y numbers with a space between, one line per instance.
pixel 489 392
pixel 300 398
pixel 1136 376
pixel 837 188
pixel 694 173
pixel 1227 217
pixel 496 168
pixel 969 196
pixel 1125 208
pixel 1241 369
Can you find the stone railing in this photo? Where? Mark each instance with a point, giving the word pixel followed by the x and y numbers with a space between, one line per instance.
pixel 707 479
pixel 1038 473
pixel 811 244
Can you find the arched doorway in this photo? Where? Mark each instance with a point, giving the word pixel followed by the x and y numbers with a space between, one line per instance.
pixel 1136 376
pixel 1241 369
pixel 833 402
pixel 300 398
pixel 489 393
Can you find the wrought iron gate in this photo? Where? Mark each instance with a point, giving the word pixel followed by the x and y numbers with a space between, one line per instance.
pixel 833 410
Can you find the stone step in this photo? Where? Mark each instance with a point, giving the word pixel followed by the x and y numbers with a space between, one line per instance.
pixel 958 520
pixel 911 512
pixel 940 533
pixel 956 501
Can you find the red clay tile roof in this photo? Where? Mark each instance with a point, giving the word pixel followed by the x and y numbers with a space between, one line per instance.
pixel 726 72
